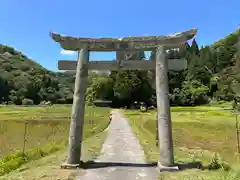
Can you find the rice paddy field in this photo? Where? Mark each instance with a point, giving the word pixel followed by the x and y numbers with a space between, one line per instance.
pixel 36 126
pixel 199 134
pixel 44 129
pixel 204 133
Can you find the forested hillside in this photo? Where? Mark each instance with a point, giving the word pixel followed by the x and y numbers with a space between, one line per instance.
pixel 22 79
pixel 213 74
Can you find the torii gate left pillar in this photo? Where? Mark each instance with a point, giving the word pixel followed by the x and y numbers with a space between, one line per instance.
pixel 78 109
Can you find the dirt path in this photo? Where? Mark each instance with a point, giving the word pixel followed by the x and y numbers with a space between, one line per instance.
pixel 121 156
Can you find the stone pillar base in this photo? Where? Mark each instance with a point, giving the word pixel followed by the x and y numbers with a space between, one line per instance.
pixel 162 168
pixel 72 166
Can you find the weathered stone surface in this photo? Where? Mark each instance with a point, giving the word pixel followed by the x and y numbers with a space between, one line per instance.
pixel 128 55
pixel 78 108
pixel 163 109
pixel 123 44
pixel 173 64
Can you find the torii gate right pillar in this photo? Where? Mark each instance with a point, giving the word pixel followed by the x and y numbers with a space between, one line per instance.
pixel 163 109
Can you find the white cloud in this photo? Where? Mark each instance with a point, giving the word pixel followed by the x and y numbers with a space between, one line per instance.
pixel 67 52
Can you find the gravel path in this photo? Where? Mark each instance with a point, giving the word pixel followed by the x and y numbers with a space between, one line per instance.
pixel 121 156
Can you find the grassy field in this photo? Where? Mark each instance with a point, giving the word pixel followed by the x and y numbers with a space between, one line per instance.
pixel 198 134
pixel 48 167
pixel 43 130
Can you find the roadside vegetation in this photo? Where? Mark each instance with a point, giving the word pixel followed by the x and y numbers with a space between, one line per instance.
pixel 46 132
pixel 203 134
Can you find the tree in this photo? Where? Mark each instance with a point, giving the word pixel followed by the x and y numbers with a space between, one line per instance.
pixel 130 86
pixel 32 91
pixel 184 51
pixel 4 90
pixel 100 88
pixel 194 47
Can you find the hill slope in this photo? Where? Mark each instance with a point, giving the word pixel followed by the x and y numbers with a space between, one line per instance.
pixel 228 50
pixel 21 77
pixel 213 70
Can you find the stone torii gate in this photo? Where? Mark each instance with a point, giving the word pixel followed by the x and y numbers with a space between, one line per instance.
pixel 126 44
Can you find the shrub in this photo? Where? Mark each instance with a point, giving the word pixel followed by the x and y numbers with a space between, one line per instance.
pixel 192 93
pixel 143 109
pixel 14 161
pixel 218 163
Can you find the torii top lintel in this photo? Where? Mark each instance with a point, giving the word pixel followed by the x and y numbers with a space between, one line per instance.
pixel 124 43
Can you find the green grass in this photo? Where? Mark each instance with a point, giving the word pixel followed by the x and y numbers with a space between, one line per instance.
pixel 46 131
pixel 198 133
pixel 48 167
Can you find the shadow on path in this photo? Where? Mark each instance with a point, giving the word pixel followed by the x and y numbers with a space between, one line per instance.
pixel 96 165
pixel 191 165
pixel 181 167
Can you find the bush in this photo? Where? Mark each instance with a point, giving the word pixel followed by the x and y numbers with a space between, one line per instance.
pixel 192 93
pixel 143 108
pixel 14 161
pixel 217 163
pixel 27 101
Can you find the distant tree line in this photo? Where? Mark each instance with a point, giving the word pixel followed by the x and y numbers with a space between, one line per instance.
pixel 213 73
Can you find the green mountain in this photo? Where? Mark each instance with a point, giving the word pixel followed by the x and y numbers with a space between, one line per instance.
pixel 213 72
pixel 228 58
pixel 229 40
pixel 22 78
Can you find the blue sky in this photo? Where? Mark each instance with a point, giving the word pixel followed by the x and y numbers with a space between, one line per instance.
pixel 25 25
